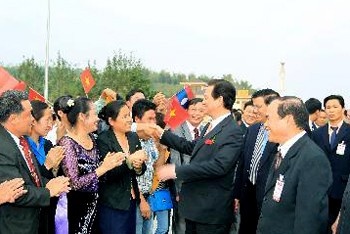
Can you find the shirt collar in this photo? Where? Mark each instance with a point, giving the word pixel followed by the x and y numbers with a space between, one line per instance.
pixel 15 138
pixel 190 126
pixel 288 144
pixel 216 121
pixel 338 125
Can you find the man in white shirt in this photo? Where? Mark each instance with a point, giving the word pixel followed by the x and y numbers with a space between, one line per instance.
pixel 295 199
pixel 191 130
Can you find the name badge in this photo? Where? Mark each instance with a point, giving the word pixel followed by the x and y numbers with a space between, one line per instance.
pixel 278 188
pixel 341 148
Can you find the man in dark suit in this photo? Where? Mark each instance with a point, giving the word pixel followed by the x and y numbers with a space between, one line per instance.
pixel 248 116
pixel 313 107
pixel 190 130
pixel 295 198
pixel 206 197
pixel 254 164
pixel 334 140
pixel 342 224
pixel 16 161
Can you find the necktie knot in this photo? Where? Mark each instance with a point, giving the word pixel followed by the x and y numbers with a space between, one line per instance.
pixel 278 159
pixel 196 133
pixel 334 129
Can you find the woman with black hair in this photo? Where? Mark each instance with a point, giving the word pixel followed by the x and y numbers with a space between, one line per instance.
pixel 83 165
pixel 119 191
pixel 47 156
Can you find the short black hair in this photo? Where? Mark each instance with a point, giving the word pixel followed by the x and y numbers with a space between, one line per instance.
pixel 140 107
pixel 248 103
pixel 226 90
pixel 313 105
pixel 194 101
pixel 132 93
pixel 334 97
pixel 11 103
pixel 266 94
pixel 111 110
pixel 38 108
pixel 290 105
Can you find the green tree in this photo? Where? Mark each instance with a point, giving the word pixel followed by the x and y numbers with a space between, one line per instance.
pixel 32 74
pixel 123 73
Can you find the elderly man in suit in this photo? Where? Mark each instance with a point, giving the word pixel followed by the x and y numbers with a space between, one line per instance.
pixel 191 130
pixel 16 161
pixel 334 140
pixel 206 197
pixel 295 200
pixel 254 164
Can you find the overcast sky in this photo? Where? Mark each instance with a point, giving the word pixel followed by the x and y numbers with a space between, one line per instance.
pixel 247 38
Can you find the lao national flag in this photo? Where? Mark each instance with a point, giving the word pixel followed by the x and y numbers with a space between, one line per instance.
pixel 184 96
pixel 176 114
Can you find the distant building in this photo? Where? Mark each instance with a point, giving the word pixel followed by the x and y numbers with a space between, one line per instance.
pixel 242 95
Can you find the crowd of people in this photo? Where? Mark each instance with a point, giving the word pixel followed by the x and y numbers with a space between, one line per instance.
pixel 277 166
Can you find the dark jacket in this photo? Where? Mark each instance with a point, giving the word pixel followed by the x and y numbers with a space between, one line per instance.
pixel 23 215
pixel 115 185
pixel 340 163
pixel 243 170
pixel 207 190
pixel 303 205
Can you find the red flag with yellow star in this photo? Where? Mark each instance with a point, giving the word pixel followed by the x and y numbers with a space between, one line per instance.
pixel 34 95
pixel 87 80
pixel 176 114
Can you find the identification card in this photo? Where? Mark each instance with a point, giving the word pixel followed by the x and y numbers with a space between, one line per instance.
pixel 278 188
pixel 341 148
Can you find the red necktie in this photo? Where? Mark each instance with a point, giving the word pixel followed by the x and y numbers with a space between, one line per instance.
pixel 29 159
pixel 196 133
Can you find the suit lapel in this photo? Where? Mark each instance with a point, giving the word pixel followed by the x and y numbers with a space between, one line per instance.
pixel 344 130
pixel 20 157
pixel 325 138
pixel 210 135
pixel 186 131
pixel 269 148
pixel 292 152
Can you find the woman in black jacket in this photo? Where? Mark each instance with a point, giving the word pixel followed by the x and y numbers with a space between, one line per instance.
pixel 118 191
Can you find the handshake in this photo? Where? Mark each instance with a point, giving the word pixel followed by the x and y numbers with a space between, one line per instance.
pixel 148 130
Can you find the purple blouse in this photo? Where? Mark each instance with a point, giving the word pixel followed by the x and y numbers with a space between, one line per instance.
pixel 80 164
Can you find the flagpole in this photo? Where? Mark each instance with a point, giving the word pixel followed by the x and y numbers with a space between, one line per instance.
pixel 46 84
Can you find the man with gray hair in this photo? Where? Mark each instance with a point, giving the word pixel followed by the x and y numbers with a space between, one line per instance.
pixel 16 161
pixel 295 199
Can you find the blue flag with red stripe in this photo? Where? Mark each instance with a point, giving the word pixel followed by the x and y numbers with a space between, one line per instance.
pixel 184 96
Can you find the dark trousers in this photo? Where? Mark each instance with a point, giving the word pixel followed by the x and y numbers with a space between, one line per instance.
pixel 112 221
pixel 249 211
pixel 201 228
pixel 334 208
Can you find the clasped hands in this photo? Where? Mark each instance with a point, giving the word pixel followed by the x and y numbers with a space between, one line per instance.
pixel 149 130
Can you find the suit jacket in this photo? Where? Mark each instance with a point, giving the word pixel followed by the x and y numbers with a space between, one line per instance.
pixel 243 170
pixel 115 186
pixel 23 215
pixel 175 156
pixel 303 205
pixel 340 163
pixel 207 190
pixel 344 224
